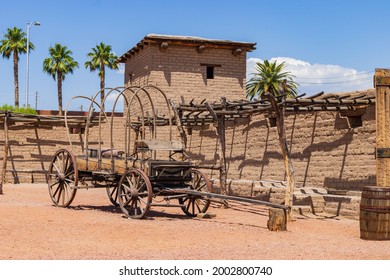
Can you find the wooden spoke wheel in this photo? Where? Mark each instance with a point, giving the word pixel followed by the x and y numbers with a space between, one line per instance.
pixel 135 194
pixel 63 178
pixel 113 194
pixel 195 204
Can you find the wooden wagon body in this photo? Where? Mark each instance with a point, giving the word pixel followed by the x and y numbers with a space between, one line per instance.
pixel 136 175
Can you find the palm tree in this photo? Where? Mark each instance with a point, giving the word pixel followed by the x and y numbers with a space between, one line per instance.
pixel 58 65
pixel 100 57
pixel 15 43
pixel 269 82
pixel 269 78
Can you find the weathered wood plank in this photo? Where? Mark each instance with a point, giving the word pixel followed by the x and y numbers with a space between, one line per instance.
pixel 382 127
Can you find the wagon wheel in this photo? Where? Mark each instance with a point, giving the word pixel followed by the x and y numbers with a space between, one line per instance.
pixel 63 178
pixel 135 194
pixel 195 204
pixel 113 194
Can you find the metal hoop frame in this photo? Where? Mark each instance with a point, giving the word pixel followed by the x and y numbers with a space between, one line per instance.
pixel 121 92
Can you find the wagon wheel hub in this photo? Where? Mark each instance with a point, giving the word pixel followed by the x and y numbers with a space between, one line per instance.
pixel 134 192
pixel 61 177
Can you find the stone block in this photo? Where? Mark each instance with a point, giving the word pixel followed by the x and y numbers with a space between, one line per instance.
pixel 317 203
pixel 240 187
pixel 261 192
pixel 301 199
pixel 302 209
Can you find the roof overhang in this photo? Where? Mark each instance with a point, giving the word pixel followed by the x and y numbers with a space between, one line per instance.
pixel 198 42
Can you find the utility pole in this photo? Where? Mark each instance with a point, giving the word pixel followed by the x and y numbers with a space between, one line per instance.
pixel 36 100
pixel 36 23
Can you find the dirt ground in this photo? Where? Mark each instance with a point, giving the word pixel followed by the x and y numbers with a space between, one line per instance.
pixel 32 228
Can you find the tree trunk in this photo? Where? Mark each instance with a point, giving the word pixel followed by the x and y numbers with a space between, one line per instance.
pixel 16 79
pixel 5 156
pixel 59 88
pixel 102 85
pixel 288 164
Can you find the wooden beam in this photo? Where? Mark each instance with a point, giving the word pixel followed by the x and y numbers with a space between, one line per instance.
pixel 382 126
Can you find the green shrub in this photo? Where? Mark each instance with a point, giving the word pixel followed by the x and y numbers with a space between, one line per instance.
pixel 22 110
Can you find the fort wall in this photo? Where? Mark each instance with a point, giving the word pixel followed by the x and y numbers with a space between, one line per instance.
pixel 326 152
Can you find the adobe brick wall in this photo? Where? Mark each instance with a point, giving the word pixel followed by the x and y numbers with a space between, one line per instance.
pixel 32 146
pixel 326 153
pixel 30 150
pixel 178 72
pixel 137 73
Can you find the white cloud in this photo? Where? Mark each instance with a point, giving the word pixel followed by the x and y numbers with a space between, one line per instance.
pixel 110 100
pixel 314 78
pixel 121 69
pixel 113 96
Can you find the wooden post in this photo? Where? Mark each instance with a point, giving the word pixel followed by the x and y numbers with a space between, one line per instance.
pixel 288 165
pixel 222 145
pixel 382 85
pixel 5 155
pixel 178 117
pixel 277 220
pixel 222 153
pixel 222 148
pixel 375 202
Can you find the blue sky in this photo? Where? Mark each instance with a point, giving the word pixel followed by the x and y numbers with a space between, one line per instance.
pixel 328 45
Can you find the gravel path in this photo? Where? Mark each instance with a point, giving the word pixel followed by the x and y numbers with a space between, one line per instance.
pixel 32 228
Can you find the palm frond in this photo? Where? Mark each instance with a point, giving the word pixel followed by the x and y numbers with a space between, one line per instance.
pixel 268 78
pixel 60 60
pixel 100 57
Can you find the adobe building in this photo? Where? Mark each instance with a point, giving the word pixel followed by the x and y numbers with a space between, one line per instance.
pixel 330 157
pixel 192 67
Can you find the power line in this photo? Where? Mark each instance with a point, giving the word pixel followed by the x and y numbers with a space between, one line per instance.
pixel 333 83
pixel 338 77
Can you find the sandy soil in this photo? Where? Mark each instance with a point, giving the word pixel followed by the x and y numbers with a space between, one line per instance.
pixel 32 228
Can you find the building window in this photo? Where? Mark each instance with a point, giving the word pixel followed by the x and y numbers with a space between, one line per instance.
pixel 210 72
pixel 76 130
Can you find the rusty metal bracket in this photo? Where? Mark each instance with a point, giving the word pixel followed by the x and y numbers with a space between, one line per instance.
pixel 381 81
pixel 383 153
